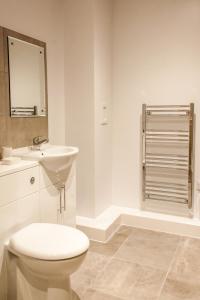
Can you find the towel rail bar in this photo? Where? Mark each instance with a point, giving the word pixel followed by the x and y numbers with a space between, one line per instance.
pixel 177 145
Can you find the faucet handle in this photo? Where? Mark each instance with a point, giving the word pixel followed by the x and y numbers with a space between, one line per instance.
pixel 35 140
pixel 38 140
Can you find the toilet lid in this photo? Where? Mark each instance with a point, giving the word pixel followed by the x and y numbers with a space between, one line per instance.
pixel 49 241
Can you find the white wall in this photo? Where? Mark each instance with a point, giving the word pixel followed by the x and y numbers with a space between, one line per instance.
pixel 88 86
pixel 79 87
pixel 43 20
pixel 156 61
pixel 78 37
pixel 103 103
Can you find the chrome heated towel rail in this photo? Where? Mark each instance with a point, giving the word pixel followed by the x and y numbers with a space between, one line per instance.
pixel 168 153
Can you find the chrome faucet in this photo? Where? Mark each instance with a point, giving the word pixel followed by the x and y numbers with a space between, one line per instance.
pixel 38 140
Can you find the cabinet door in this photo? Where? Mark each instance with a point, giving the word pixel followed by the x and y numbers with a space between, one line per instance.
pixel 18 185
pixel 28 209
pixel 59 207
pixel 50 205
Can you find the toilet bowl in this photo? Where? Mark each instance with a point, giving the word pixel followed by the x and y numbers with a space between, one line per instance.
pixel 47 254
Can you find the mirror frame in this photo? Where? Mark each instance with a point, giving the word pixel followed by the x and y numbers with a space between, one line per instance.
pixel 14 34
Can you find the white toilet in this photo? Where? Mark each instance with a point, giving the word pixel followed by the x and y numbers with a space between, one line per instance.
pixel 47 254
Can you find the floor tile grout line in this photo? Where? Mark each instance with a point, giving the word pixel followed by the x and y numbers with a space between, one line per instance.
pixel 94 278
pixel 139 239
pixel 126 261
pixel 169 268
pixel 121 245
pixel 102 270
pixel 113 256
pixel 123 260
pixel 142 265
pixel 90 285
pixel 109 260
pixel 99 290
pixel 135 263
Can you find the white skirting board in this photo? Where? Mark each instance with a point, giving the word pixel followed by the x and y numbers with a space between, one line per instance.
pixel 104 226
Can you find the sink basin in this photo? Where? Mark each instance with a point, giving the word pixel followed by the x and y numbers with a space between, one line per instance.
pixel 55 159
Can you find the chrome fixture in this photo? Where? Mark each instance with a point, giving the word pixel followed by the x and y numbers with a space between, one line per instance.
pixel 38 140
pixel 24 111
pixel 62 198
pixel 167 132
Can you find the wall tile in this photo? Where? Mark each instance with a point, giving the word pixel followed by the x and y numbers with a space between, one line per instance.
pixel 1 50
pixel 15 132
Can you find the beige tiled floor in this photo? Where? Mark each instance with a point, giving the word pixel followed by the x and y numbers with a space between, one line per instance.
pixel 139 264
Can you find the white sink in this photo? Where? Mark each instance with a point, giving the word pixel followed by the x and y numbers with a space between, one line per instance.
pixel 55 159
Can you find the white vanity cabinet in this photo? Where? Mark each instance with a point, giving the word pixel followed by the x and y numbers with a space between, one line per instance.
pixel 28 194
pixel 18 184
pixel 49 200
pixel 19 197
pixel 19 205
pixel 56 204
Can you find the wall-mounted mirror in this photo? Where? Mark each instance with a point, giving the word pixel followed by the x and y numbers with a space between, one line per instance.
pixel 18 84
pixel 27 74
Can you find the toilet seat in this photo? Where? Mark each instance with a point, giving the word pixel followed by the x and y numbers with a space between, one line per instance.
pixel 49 241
